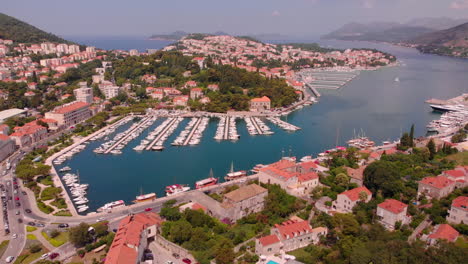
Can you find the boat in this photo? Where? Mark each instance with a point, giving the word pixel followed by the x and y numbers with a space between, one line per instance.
pixel 206 182
pixel 111 205
pixel 176 188
pixel 158 148
pixel 232 175
pixel 65 169
pixel 144 197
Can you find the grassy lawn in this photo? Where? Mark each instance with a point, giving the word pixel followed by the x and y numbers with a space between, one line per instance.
pixel 28 258
pixel 3 247
pixel 31 237
pixel 57 241
pixel 59 203
pixel 63 213
pixel 461 242
pixel 461 158
pixel 44 207
pixel 31 228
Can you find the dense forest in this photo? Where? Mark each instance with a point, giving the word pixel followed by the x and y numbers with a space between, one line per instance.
pixel 19 31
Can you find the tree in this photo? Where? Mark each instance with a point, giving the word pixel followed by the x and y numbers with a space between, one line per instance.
pixel 432 148
pixel 383 176
pixel 34 248
pixel 54 233
pixel 342 179
pixel 79 235
pixel 362 196
pixel 411 135
pixel 346 223
pixel 180 231
pixel 224 252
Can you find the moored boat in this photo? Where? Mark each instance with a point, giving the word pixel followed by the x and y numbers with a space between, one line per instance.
pixel 206 182
pixel 144 197
pixel 176 188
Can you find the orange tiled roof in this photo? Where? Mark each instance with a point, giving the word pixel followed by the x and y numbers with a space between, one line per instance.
pixel 263 99
pixel 293 228
pixel 4 137
pixel 307 176
pixel 461 202
pixel 268 240
pixel 393 206
pixel 455 173
pixel 438 182
pixel 353 194
pixel 444 231
pixel 70 107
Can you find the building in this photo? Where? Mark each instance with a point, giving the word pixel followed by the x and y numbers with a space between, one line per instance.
pixel 260 104
pixel 132 238
pixel 7 146
pixel 297 179
pixel 9 113
pixel 109 91
pixel 70 114
pixel 134 52
pixel 435 187
pixel 157 95
pixel 28 134
pixel 458 213
pixel 392 211
pixel 4 129
pixel 245 200
pixel 442 232
pixel 289 235
pixel 180 100
pixel 196 93
pixel 356 175
pixel 459 175
pixel 84 94
pixel 213 87
pixel 346 201
pixel 200 61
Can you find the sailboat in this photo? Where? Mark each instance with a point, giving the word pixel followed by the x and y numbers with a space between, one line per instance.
pixel 397 79
pixel 144 197
pixel 233 175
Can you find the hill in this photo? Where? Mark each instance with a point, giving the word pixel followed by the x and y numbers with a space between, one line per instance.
pixel 454 37
pixel 174 36
pixel 439 23
pixel 19 31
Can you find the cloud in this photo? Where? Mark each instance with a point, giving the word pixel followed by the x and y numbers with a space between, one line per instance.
pixel 459 4
pixel 276 13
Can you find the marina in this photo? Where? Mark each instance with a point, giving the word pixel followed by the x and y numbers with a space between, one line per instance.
pixel 227 129
pixel 323 79
pixel 284 125
pixel 162 132
pixel 454 114
pixel 256 126
pixel 193 132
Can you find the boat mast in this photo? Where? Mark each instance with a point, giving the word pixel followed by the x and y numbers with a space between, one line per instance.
pixel 211 172
pixel 232 167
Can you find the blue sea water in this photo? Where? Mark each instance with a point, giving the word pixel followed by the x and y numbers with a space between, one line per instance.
pixel 373 102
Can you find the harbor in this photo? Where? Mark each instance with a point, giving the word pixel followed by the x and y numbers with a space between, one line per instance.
pixel 331 79
pixel 454 115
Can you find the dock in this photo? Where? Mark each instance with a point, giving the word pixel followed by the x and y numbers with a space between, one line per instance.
pixel 226 128
pixel 284 125
pixel 190 135
pixel 163 132
pixel 142 122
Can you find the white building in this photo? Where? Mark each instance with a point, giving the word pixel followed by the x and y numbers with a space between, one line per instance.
pixel 84 94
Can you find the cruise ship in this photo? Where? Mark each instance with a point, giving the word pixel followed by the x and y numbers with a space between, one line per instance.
pixel 206 182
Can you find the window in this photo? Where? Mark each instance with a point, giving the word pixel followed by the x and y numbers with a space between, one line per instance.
pixel 269 249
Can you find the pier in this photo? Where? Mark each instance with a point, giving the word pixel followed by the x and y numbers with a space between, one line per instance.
pixel 129 133
pixel 190 135
pixel 255 126
pixel 226 128
pixel 172 121
pixel 284 125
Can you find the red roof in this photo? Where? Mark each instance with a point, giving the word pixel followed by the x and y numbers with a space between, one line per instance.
pixel 197 206
pixel 444 231
pixel 263 99
pixel 461 202
pixel 455 173
pixel 70 107
pixel 308 165
pixel 196 89
pixel 438 182
pixel 4 137
pixel 127 239
pixel 268 240
pixel 353 194
pixel 393 206
pixel 293 228
pixel 307 176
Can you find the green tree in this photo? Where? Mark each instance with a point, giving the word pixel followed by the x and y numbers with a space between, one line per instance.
pixel 180 231
pixel 432 148
pixel 79 235
pixel 383 176
pixel 224 252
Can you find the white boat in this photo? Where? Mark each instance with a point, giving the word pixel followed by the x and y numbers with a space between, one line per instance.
pixel 176 188
pixel 65 169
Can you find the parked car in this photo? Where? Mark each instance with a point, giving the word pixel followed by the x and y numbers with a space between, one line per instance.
pixel 20 220
pixel 28 211
pixel 186 260
pixel 175 255
pixel 54 255
pixel 32 224
pixel 9 259
pixel 40 225
pixel 148 209
pixel 24 193
pixel 15 236
pixel 44 256
pixel 63 225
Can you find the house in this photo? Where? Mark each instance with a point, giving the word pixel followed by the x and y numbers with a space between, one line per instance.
pixel 297 179
pixel 245 200
pixel 290 235
pixel 196 93
pixel 132 238
pixel 260 104
pixel 190 84
pixel 392 211
pixel 356 175
pixel 70 114
pixel 442 232
pixel 200 61
pixel 205 100
pixel 29 94
pixel 458 213
pixel 157 95
pixel 7 146
pixel 435 187
pixel 459 175
pixel 346 200
pixel 213 87
pixel 192 206
pixel 180 100
pixel 4 129
pixel 28 134
pixel 84 94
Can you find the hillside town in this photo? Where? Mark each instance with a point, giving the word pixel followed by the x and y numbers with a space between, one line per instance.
pixel 345 205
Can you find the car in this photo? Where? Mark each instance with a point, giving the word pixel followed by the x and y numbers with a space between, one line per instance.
pixel 32 224
pixel 18 204
pixel 186 260
pixel 169 262
pixel 20 220
pixel 63 225
pixel 148 209
pixel 24 193
pixel 40 225
pixel 54 255
pixel 175 255
pixel 44 256
pixel 17 213
pixel 16 198
pixel 9 259
pixel 14 236
pixel 28 211
pixel 15 191
pixel 100 219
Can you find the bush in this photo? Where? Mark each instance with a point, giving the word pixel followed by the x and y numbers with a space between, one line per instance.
pixel 54 233
pixel 34 248
pixel 44 208
pixel 50 193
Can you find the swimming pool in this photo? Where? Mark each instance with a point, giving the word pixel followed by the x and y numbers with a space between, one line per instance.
pixel 272 262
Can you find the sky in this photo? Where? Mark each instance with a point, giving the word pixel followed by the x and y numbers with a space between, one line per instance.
pixel 239 17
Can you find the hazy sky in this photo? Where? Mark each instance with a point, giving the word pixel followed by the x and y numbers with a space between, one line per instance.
pixel 292 17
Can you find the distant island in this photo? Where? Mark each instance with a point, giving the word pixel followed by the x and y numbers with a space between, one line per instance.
pixel 442 36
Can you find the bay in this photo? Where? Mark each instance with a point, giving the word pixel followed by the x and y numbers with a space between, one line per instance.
pixel 373 103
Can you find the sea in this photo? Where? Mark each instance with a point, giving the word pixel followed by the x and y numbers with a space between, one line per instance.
pixel 375 104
